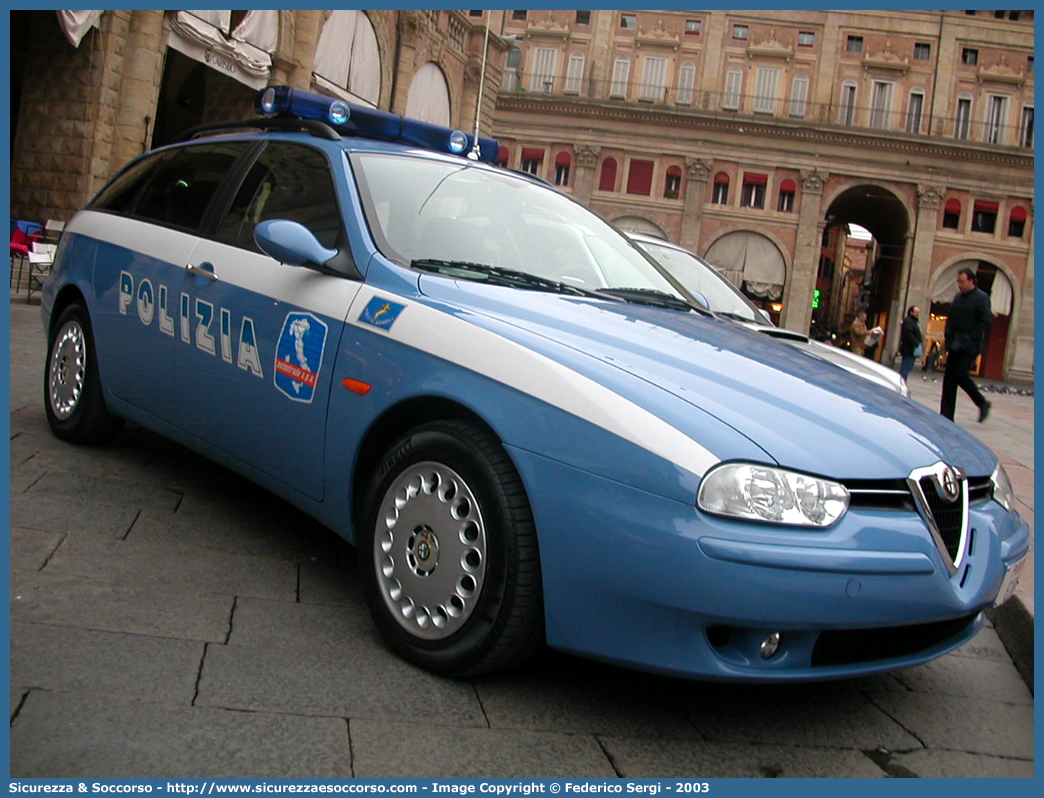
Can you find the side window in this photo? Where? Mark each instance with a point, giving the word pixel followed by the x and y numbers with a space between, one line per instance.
pixel 119 195
pixel 288 181
pixel 179 191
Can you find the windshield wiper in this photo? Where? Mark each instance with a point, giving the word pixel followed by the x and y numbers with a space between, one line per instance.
pixel 654 297
pixel 736 316
pixel 497 275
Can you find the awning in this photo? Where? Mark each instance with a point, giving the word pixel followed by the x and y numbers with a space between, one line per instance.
pixel 982 206
pixel 244 56
pixel 532 154
pixel 953 206
pixel 789 186
pixel 751 258
pixel 75 24
pixel 754 179
pixel 563 159
pixel 944 288
pixel 721 179
pixel 1018 214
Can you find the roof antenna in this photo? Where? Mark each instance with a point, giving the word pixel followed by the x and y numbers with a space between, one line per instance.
pixel 474 154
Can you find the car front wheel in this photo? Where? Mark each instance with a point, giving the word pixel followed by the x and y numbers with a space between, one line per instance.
pixel 448 552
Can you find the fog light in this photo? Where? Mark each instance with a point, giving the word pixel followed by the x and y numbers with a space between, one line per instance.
pixel 769 646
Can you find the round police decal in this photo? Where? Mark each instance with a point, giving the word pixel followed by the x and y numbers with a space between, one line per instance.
pixel 299 356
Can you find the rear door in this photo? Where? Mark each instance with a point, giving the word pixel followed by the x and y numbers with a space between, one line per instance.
pixel 255 353
pixel 148 224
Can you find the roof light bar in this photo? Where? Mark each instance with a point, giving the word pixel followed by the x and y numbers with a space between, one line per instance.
pixel 359 120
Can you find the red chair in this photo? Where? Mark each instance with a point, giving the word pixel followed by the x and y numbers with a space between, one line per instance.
pixel 21 244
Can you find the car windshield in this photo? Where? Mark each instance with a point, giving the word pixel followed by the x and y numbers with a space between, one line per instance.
pixel 425 212
pixel 703 280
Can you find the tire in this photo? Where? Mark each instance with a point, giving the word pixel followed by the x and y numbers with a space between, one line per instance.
pixel 448 553
pixel 73 397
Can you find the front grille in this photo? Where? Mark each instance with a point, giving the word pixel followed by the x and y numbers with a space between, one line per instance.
pixel 846 646
pixel 948 515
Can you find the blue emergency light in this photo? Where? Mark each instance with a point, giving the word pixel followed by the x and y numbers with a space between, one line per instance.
pixel 358 120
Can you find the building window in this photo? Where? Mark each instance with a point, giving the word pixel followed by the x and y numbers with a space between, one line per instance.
pixel 693 27
pixel 984 217
pixel 962 125
pixel 639 177
pixel 1014 15
pixel 531 160
pixel 575 74
pixel 474 13
pixel 881 104
pixel 1017 222
pixel 519 16
pixel 733 89
pixel 997 115
pixel 621 73
pixel 629 21
pixel 544 66
pixel 753 195
pixel 766 90
pixel 672 183
pixel 806 38
pixel 914 111
pixel 654 79
pixel 787 192
pixel 952 214
pixel 686 83
pixel 799 96
pixel 1026 127
pixel 562 163
pixel 922 51
pixel 607 178
pixel 503 157
pixel 740 31
pixel 1029 65
pixel 854 44
pixel 969 56
pixel 514 61
pixel 583 17
pixel 720 196
pixel 848 99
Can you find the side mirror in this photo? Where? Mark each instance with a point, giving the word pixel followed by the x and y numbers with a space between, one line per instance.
pixel 701 299
pixel 291 243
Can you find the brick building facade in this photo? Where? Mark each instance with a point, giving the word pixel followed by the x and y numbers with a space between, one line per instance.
pixel 749 136
pixel 752 138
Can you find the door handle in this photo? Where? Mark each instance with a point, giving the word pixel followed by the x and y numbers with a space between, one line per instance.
pixel 204 269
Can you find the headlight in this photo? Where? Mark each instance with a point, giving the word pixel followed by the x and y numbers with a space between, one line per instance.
pixel 763 493
pixel 1002 491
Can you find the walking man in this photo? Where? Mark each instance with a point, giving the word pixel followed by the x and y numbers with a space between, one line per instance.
pixel 911 341
pixel 969 320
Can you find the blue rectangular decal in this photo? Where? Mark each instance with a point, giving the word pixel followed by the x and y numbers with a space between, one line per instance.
pixel 381 313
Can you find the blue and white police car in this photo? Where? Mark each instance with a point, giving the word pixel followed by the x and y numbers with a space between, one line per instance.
pixel 526 427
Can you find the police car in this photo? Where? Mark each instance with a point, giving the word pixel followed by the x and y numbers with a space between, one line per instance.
pixel 714 291
pixel 530 432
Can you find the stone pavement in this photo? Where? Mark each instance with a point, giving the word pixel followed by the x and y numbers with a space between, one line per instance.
pixel 169 619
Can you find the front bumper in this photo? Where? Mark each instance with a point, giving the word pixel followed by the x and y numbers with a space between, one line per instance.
pixel 634 578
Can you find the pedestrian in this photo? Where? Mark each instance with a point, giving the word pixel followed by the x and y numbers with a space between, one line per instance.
pixel 857 333
pixel 911 341
pixel 969 320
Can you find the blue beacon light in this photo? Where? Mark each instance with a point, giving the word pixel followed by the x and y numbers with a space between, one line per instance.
pixel 359 120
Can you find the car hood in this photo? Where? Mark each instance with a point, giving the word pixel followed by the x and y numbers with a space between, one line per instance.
pixel 801 411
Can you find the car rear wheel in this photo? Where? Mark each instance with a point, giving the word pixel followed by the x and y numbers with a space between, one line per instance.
pixel 73 397
pixel 448 552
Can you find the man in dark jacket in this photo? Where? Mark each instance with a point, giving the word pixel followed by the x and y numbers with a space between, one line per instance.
pixel 910 339
pixel 969 320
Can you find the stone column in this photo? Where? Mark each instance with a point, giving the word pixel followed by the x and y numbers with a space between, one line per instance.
pixel 307 25
pixel 797 296
pixel 139 86
pixel 1021 338
pixel 585 158
pixel 916 286
pixel 697 170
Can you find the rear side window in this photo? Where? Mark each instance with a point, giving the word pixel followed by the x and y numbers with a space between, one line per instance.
pixel 287 181
pixel 180 190
pixel 119 195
